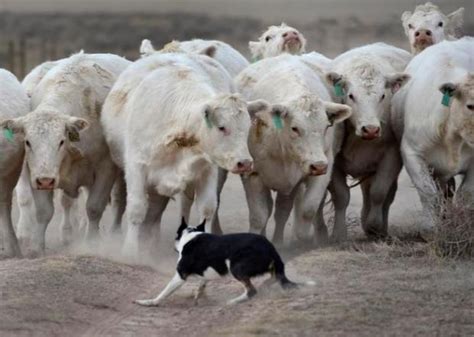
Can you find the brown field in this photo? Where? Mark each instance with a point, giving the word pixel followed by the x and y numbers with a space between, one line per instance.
pixel 393 288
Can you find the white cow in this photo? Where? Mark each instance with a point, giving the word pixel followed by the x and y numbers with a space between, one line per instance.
pixel 233 61
pixel 60 152
pixel 14 103
pixel 277 40
pixel 292 140
pixel 27 210
pixel 427 25
pixel 366 78
pixel 438 110
pixel 169 120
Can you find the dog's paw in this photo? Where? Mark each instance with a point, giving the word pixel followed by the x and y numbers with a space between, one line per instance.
pixel 146 303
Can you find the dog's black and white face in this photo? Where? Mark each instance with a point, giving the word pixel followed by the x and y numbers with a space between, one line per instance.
pixel 186 233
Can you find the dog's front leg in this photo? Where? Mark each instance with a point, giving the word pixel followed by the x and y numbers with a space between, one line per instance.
pixel 175 283
pixel 200 290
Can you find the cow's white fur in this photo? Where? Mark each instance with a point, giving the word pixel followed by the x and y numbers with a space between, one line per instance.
pixel 283 157
pixel 233 61
pixel 369 76
pixel 66 101
pixel 14 103
pixel 428 17
pixel 272 42
pixel 438 141
pixel 154 121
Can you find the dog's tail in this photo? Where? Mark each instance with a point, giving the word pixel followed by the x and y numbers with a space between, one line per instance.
pixel 279 272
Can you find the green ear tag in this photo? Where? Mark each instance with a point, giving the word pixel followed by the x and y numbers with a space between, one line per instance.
pixel 277 122
pixel 208 122
pixel 338 90
pixel 446 101
pixel 8 133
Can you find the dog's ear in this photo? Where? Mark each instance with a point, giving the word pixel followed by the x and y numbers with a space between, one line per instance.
pixel 202 226
pixel 181 228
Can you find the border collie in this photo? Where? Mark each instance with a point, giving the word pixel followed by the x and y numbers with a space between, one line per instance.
pixel 245 255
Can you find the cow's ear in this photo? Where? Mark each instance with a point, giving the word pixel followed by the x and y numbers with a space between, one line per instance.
pixel 146 48
pixel 337 112
pixel 13 125
pixel 337 82
pixel 257 108
pixel 405 17
pixel 396 81
pixel 455 23
pixel 202 226
pixel 74 126
pixel 209 51
pixel 450 89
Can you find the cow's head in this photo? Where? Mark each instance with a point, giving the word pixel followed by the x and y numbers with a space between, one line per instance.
pixel 368 92
pixel 297 129
pixel 461 102
pixel 224 132
pixel 48 138
pixel 278 40
pixel 427 25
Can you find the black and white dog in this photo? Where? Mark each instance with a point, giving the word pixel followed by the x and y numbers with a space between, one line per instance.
pixel 246 255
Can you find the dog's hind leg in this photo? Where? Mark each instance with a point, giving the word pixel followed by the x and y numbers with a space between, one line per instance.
pixel 175 283
pixel 200 291
pixel 250 292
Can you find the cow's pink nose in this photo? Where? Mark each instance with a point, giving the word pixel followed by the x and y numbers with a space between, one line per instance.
pixel 318 168
pixel 291 36
pixel 424 36
pixel 370 132
pixel 243 166
pixel 45 183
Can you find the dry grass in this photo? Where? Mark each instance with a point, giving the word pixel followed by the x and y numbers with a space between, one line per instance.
pixel 454 230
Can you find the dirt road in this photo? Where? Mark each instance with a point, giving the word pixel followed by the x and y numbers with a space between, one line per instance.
pixel 363 288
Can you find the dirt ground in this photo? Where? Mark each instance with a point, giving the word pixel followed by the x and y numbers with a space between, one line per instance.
pixel 362 288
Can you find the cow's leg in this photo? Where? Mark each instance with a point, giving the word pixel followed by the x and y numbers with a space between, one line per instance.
pixel 10 242
pixel 422 179
pixel 387 203
pixel 186 202
pixel 387 173
pixel 206 195
pixel 259 201
pixel 99 194
pixel 66 222
pixel 137 205
pixel 26 207
pixel 307 206
pixel 320 228
pixel 340 197
pixel 222 177
pixel 118 202
pixel 175 283
pixel 466 189
pixel 283 206
pixel 365 189
pixel 156 206
pixel 44 206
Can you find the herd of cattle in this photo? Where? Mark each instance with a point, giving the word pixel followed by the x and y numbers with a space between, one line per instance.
pixel 176 121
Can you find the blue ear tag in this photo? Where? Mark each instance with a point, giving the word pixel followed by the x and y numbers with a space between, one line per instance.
pixel 277 122
pixel 339 92
pixel 208 122
pixel 8 133
pixel 446 101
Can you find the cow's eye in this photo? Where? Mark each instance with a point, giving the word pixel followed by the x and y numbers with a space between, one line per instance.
pixel 295 130
pixel 470 107
pixel 352 97
pixel 410 26
pixel 222 129
pixel 61 143
pixel 382 98
pixel 268 38
pixel 440 24
pixel 27 143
